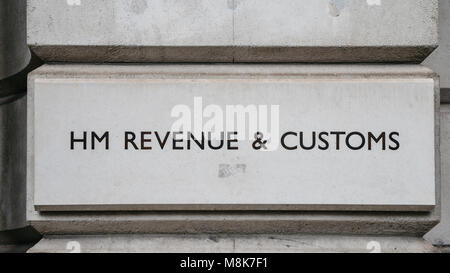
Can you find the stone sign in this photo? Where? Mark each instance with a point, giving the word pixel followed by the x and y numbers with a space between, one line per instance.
pixel 149 140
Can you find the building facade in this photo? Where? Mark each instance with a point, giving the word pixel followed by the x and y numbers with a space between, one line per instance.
pixel 224 126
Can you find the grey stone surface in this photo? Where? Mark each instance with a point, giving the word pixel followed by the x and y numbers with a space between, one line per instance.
pixel 14 52
pixel 18 240
pixel 346 222
pixel 232 244
pixel 440 235
pixel 12 162
pixel 17 83
pixel 233 30
pixel 21 248
pixel 439 60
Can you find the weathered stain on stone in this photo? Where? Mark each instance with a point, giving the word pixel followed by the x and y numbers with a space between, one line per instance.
pixel 139 6
pixel 232 4
pixel 227 170
pixel 335 7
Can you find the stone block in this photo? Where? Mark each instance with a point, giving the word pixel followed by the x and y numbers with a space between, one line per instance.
pixel 440 235
pixel 12 162
pixel 233 30
pixel 14 52
pixel 268 243
pixel 439 60
pixel 147 196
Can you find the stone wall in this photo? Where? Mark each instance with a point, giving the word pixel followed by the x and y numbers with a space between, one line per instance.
pixel 391 38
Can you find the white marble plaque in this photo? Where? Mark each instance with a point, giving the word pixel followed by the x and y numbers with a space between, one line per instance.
pixel 103 144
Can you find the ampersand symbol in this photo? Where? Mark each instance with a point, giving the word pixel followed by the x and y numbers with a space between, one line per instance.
pixel 259 142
